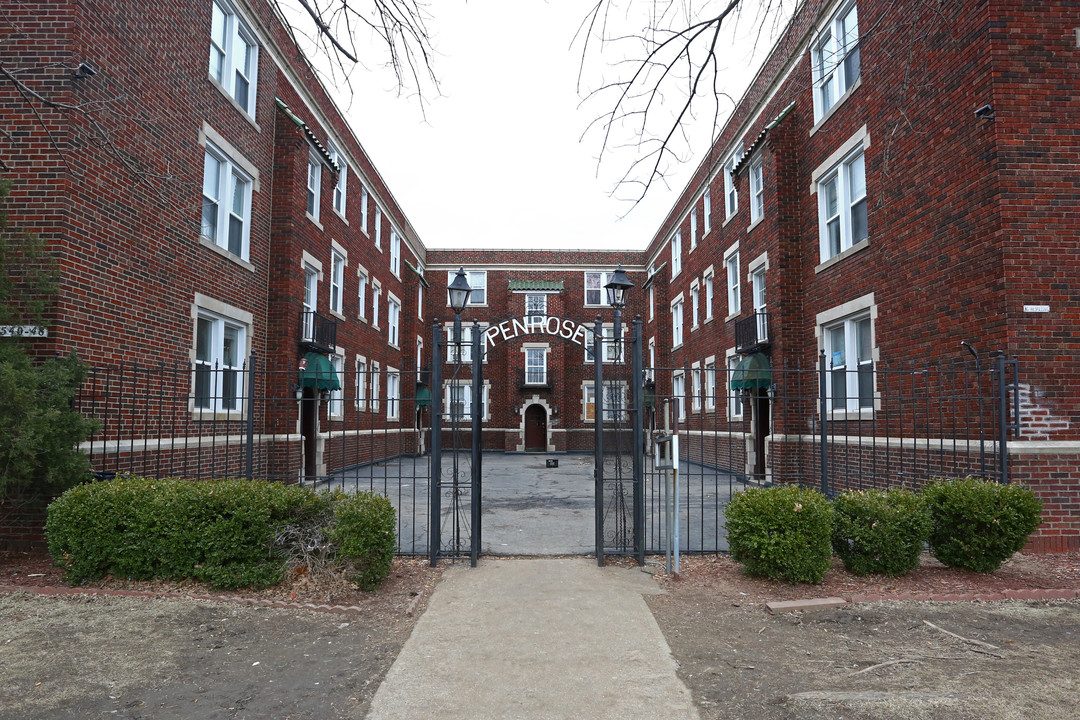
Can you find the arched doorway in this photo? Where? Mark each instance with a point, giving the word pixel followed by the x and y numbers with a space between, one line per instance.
pixel 536 428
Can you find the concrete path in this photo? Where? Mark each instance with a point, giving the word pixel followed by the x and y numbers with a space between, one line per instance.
pixel 536 638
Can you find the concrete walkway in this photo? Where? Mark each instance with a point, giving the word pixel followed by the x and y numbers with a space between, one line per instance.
pixel 545 638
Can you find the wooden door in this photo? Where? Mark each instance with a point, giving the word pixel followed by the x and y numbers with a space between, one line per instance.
pixel 535 428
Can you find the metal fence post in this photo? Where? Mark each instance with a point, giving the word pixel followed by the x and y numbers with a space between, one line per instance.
pixel 249 459
pixel 823 391
pixel 1003 417
pixel 435 481
pixel 477 436
pixel 598 432
pixel 639 461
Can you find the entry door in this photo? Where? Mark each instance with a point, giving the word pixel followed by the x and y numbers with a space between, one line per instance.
pixel 535 428
pixel 309 430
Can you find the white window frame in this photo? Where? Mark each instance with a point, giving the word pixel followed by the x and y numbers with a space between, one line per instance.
pixel 734 293
pixel 338 260
pixel 696 387
pixel 850 193
pixel 376 291
pixel 235 33
pixel 695 305
pixel 847 317
pixel 536 304
pixel 756 273
pixel 731 191
pixel 393 394
pixel 734 399
pixel 650 371
pixel 611 391
pixel 676 253
pixel 535 350
pixel 466 400
pixel 313 198
pixel 395 253
pixel 229 173
pixel 710 383
pixel 376 382
pixel 311 298
pixel 757 189
pixel 693 228
pixel 678 392
pixel 341 185
pixel 335 406
pixel 709 282
pixel 477 281
pixel 610 348
pixel 419 353
pixel 393 320
pixel 361 291
pixel 604 279
pixel 466 343
pixel 214 364
pixel 420 298
pixel 361 367
pixel 835 60
pixel 706 212
pixel 363 208
pixel 677 322
pixel 378 227
pixel 652 301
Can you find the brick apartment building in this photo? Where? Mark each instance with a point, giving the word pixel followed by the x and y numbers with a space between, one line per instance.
pixel 894 182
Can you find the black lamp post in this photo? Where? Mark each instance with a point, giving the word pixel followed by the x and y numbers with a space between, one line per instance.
pixel 458 291
pixel 617 289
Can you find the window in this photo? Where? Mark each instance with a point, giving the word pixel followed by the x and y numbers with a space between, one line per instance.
pixel 376 381
pixel 835 60
pixel 536 304
pixel 842 206
pixel 595 294
pixel 693 228
pixel 652 301
pixel 420 299
pixel 393 394
pixel 477 281
pixel 361 293
pixel 234 56
pixel 393 317
pixel 708 294
pixel 536 365
pixel 614 402
pixel 457 400
pixel 342 181
pixel 731 193
pixel 361 382
pixel 757 189
pixel 610 347
pixel 226 209
pixel 735 404
pixel 363 208
pixel 376 291
pixel 337 281
pixel 314 184
pixel 676 323
pixel 676 254
pixel 695 305
pixel 311 290
pixel 678 393
pixel 651 370
pixel 757 280
pixel 378 227
pixel 710 384
pixel 419 353
pixel 466 347
pixel 695 380
pixel 336 406
pixel 706 214
pixel 849 354
pixel 395 253
pixel 731 262
pixel 220 344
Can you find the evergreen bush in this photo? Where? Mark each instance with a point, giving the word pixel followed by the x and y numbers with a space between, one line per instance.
pixel 978 524
pixel 363 533
pixel 880 531
pixel 780 532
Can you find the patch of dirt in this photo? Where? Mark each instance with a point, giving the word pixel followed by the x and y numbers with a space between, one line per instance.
pixel 1000 660
pixel 159 656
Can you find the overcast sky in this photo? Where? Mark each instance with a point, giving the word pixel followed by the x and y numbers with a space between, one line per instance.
pixel 499 161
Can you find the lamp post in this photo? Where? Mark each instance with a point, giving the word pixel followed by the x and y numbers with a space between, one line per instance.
pixel 617 289
pixel 458 292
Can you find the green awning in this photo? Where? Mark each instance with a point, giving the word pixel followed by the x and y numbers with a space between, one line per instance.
pixel 536 285
pixel 319 373
pixel 752 372
pixel 423 395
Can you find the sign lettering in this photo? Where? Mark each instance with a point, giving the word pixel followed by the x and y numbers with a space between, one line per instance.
pixel 570 330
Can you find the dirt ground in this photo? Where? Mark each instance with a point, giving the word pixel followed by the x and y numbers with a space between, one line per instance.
pixel 993 660
pixel 169 653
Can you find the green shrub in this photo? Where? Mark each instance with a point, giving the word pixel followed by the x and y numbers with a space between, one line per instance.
pixel 221 532
pixel 977 524
pixel 878 531
pixel 363 533
pixel 780 532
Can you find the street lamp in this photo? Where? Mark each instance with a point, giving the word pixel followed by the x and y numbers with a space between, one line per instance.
pixel 458 291
pixel 617 289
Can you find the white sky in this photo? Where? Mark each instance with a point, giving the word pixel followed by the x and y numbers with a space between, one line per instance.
pixel 499 161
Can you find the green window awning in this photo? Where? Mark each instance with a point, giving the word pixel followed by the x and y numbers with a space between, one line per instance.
pixel 423 395
pixel 753 371
pixel 319 373
pixel 536 285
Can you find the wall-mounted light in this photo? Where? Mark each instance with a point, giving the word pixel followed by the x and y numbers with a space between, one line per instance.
pixel 85 70
pixel 986 112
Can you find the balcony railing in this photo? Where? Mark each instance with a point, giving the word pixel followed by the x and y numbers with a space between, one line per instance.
pixel 317 333
pixel 752 333
pixel 535 379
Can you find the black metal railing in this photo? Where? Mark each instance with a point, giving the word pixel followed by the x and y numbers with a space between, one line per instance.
pixel 318 333
pixel 752 333
pixel 536 379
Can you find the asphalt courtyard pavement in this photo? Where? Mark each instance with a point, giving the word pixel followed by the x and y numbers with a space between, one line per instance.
pixel 536 638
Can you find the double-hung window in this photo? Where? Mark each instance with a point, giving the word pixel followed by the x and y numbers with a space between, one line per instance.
pixel 363 208
pixel 757 189
pixel 336 406
pixel 709 295
pixel 613 401
pixel 361 383
pixel 234 56
pixel 842 206
pixel 710 385
pixel 393 394
pixel 342 181
pixel 395 253
pixel 226 210
pixel 706 212
pixel 678 393
pixel 462 351
pixel 457 400
pixel 376 292
pixel 731 193
pixel 849 350
pixel 695 305
pixel 361 293
pixel 536 304
pixel 610 348
pixel 393 318
pixel 536 365
pixel 693 228
pixel 595 294
pixel 220 344
pixel 734 300
pixel 378 227
pixel 676 253
pixel 757 280
pixel 337 281
pixel 734 399
pixel 835 59
pixel 311 294
pixel 376 383
pixel 677 323
pixel 314 185
pixel 477 281
pixel 695 380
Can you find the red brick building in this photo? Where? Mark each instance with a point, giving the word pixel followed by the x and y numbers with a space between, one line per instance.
pixel 894 182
